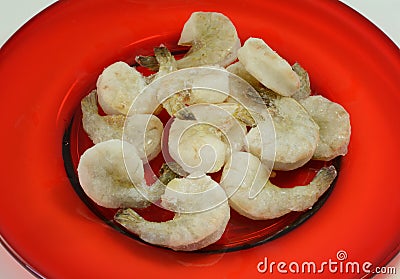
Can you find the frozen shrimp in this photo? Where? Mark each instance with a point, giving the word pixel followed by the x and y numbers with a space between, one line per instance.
pixel 191 86
pixel 296 135
pixel 197 147
pixel 181 94
pixel 118 87
pixel 213 40
pixel 268 67
pixel 244 171
pixel 142 130
pixel 261 93
pixel 223 117
pixel 186 231
pixel 334 127
pixel 112 175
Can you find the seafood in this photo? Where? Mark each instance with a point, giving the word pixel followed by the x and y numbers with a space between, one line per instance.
pixel 238 69
pixel 213 40
pixel 246 118
pixel 186 231
pixel 118 87
pixel 112 175
pixel 191 86
pixel 296 135
pixel 244 171
pixel 184 91
pixel 142 130
pixel 197 147
pixel 222 117
pixel 261 93
pixel 334 127
pixel 268 67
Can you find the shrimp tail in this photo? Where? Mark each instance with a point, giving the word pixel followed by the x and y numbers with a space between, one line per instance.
pixel 89 104
pixel 127 218
pixel 164 56
pixel 149 62
pixel 324 178
pixel 170 171
pixel 305 89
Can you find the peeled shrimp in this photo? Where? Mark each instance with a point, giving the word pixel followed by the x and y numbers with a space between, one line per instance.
pixel 186 231
pixel 112 175
pixel 191 86
pixel 186 93
pixel 244 171
pixel 296 135
pixel 261 93
pixel 142 130
pixel 239 70
pixel 213 40
pixel 198 148
pixel 334 127
pixel 268 67
pixel 222 117
pixel 118 87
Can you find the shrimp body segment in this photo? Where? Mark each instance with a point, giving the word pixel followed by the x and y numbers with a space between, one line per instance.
pixel 196 147
pixel 213 40
pixel 296 135
pixel 118 87
pixel 222 117
pixel 142 130
pixel 268 67
pixel 111 173
pixel 272 201
pixel 186 231
pixel 334 127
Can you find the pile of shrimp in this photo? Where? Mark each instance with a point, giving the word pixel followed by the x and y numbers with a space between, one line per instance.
pixel 237 109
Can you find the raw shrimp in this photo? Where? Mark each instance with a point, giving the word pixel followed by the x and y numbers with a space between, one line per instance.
pixel 334 127
pixel 222 117
pixel 118 87
pixel 268 67
pixel 213 40
pixel 239 70
pixel 177 98
pixel 263 94
pixel 112 175
pixel 186 231
pixel 245 171
pixel 198 148
pixel 191 86
pixel 296 135
pixel 142 130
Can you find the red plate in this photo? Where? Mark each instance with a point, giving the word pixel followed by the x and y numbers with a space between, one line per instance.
pixel 54 60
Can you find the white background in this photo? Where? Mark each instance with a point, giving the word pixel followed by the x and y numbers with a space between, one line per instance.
pixel 14 13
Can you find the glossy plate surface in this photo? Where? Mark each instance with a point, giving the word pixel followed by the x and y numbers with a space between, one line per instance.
pixel 54 60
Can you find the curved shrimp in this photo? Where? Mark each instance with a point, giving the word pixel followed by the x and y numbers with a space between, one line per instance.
pixel 213 40
pixel 245 171
pixel 142 130
pixel 197 147
pixel 186 231
pixel 112 175
pixel 117 89
pixel 268 67
pixel 222 117
pixel 296 135
pixel 334 127
pixel 180 97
